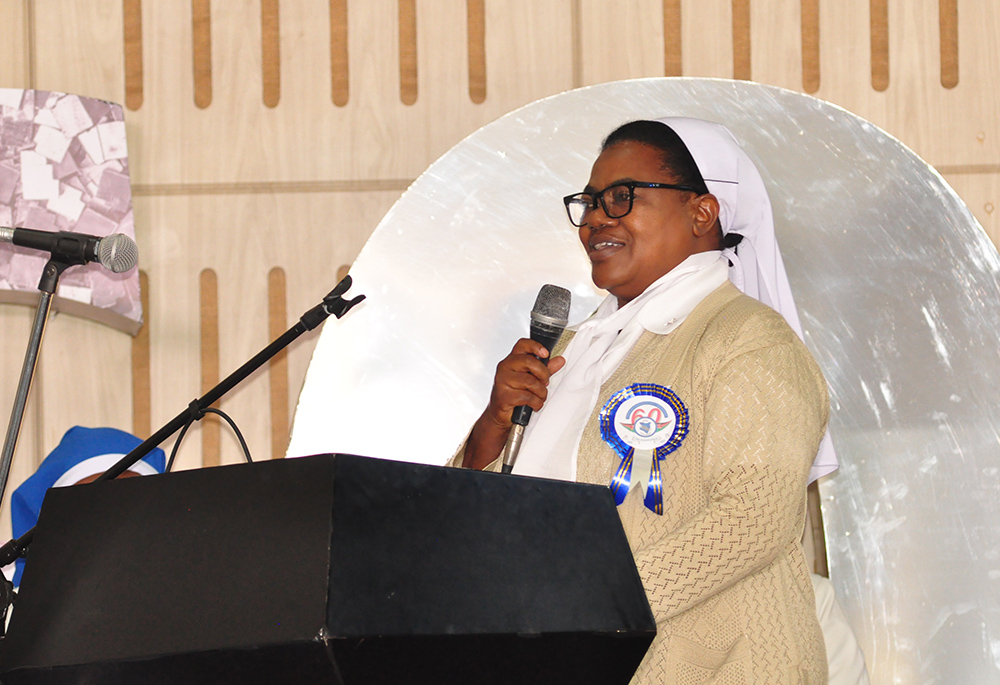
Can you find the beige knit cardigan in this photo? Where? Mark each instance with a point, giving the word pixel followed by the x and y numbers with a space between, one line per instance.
pixel 723 568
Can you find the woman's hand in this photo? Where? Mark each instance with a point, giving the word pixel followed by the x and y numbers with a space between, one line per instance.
pixel 521 379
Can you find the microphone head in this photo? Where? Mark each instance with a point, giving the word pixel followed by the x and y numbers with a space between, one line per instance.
pixel 551 306
pixel 117 252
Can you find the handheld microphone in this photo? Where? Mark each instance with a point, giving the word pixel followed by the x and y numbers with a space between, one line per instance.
pixel 549 317
pixel 116 252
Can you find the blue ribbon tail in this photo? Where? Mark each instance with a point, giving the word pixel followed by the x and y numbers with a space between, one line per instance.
pixel 654 491
pixel 622 479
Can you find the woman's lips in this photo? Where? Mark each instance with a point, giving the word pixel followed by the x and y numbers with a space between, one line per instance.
pixel 604 248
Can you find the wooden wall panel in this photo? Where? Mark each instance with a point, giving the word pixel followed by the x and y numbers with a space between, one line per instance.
pixel 445 106
pixel 15 329
pixel 242 237
pixel 387 139
pixel 174 331
pixel 528 52
pixel 968 115
pixel 158 139
pixel 606 59
pixel 981 192
pixel 915 64
pixel 84 378
pixel 845 54
pixel 15 46
pixel 79 47
pixel 957 126
pixel 233 121
pixel 942 125
pixel 295 139
pixel 252 143
pixel 369 146
pixel 776 38
pixel 707 38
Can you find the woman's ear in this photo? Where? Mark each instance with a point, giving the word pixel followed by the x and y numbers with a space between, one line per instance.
pixel 706 213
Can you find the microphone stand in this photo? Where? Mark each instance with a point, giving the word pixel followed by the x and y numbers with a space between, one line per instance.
pixel 333 303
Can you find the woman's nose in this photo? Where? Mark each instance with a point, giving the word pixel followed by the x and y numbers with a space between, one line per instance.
pixel 597 218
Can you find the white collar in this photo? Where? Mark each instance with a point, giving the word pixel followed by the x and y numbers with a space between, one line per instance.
pixel 667 308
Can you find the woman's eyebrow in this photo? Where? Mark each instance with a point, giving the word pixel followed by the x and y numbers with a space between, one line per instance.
pixel 591 190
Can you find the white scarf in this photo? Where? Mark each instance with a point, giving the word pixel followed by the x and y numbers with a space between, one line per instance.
pixel 552 439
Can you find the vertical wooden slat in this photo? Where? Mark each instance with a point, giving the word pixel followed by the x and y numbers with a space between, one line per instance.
pixel 339 74
pixel 270 51
pixel 210 433
pixel 141 382
pixel 576 31
pixel 810 45
pixel 741 39
pixel 277 318
pixel 948 21
pixel 132 16
pixel 672 60
pixel 879 19
pixel 476 17
pixel 408 51
pixel 29 42
pixel 201 28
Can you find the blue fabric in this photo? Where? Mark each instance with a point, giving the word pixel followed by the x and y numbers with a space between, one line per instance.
pixel 77 445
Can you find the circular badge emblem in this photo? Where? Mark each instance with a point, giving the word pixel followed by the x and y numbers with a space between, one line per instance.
pixel 644 416
pixel 645 422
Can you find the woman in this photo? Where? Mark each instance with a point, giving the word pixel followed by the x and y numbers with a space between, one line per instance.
pixel 697 404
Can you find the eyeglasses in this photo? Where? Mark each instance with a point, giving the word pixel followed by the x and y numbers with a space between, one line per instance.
pixel 615 200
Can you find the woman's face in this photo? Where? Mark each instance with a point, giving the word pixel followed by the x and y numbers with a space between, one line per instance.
pixel 663 229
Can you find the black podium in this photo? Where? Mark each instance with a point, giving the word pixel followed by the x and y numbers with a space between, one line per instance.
pixel 328 569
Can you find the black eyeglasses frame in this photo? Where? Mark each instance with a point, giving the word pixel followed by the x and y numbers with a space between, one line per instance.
pixel 598 197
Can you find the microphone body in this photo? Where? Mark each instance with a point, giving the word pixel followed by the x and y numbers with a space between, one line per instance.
pixel 116 252
pixel 549 317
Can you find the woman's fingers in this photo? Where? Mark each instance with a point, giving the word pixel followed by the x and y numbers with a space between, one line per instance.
pixel 521 379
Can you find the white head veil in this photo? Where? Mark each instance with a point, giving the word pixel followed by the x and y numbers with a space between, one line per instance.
pixel 744 208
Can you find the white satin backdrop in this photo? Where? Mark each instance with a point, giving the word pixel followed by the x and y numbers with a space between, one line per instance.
pixel 897 286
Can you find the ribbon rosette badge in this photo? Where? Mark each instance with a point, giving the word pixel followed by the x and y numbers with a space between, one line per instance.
pixel 637 420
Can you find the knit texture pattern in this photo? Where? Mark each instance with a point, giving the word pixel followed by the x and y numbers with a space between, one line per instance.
pixel 723 568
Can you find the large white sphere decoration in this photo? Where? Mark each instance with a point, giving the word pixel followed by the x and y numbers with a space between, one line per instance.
pixel 897 287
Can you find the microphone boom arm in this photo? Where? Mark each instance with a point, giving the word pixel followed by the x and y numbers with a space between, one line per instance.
pixel 333 303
